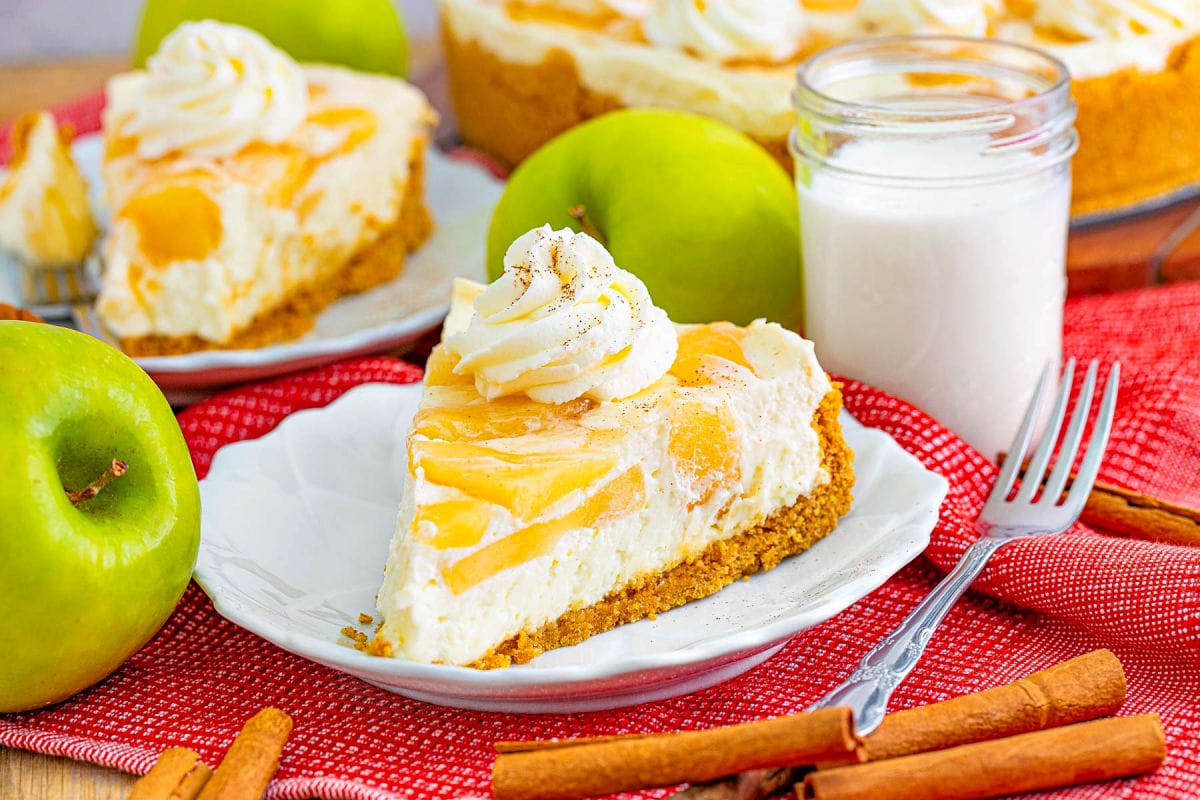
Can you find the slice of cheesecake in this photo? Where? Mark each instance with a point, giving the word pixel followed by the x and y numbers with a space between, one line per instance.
pixel 248 191
pixel 572 468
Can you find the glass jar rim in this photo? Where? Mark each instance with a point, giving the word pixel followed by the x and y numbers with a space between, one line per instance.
pixel 1046 96
pixel 864 47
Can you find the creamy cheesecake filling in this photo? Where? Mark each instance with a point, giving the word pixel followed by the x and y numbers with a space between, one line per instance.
pixel 624 488
pixel 753 97
pixel 200 246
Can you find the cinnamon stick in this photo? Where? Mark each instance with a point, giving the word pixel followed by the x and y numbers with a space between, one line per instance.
pixel 555 744
pixel 252 759
pixel 1099 750
pixel 1083 688
pixel 178 774
pixel 1139 515
pixel 563 771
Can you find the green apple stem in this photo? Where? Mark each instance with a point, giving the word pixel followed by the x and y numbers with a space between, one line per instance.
pixel 580 214
pixel 115 470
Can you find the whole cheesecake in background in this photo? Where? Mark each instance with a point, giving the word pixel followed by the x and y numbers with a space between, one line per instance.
pixel 248 191
pixel 578 461
pixel 550 64
pixel 45 220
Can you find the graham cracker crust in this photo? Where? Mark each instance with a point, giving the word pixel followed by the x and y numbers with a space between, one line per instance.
pixel 1139 132
pixel 509 110
pixel 786 532
pixel 377 263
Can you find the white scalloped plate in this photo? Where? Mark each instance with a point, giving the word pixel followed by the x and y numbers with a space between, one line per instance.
pixel 461 197
pixel 296 527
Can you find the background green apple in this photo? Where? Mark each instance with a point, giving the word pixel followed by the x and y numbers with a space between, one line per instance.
pixel 367 35
pixel 84 587
pixel 694 208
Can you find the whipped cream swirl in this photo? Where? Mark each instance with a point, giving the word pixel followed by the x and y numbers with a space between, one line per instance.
pixel 562 322
pixel 726 30
pixel 963 17
pixel 214 88
pixel 633 9
pixel 1116 19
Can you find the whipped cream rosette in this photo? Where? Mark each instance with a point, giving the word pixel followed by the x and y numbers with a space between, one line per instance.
pixel 564 321
pixel 962 17
pixel 726 30
pixel 1118 19
pixel 634 9
pixel 213 89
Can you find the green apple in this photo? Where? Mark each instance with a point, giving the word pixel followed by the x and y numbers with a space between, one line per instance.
pixel 698 211
pixel 84 582
pixel 366 35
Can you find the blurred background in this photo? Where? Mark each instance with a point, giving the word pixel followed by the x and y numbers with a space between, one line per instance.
pixel 38 29
pixel 54 51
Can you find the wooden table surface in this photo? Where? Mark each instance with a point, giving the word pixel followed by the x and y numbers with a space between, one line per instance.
pixel 29 776
pixel 1165 246
pixel 28 87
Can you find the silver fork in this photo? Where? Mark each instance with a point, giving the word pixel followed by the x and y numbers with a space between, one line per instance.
pixel 52 291
pixel 868 688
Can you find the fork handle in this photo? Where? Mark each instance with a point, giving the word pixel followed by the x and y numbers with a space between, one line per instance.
pixel 888 663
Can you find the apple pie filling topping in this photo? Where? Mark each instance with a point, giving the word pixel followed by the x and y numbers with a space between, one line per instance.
pixel 512 475
pixel 507 478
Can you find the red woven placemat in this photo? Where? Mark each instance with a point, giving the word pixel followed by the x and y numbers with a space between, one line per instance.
pixel 201 677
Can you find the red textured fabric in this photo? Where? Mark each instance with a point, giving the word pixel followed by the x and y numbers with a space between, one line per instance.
pixel 1046 600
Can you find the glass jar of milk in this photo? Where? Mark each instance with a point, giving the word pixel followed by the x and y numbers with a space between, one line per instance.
pixel 934 184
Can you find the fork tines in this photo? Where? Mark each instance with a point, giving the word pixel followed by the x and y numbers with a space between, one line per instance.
pixel 57 286
pixel 1035 473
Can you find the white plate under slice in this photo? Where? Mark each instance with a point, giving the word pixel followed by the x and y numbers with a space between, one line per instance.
pixel 295 534
pixel 460 196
